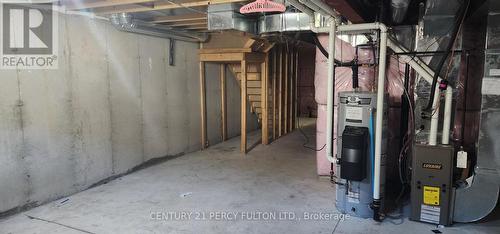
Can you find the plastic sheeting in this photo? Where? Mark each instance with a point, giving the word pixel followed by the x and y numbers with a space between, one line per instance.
pixel 345 52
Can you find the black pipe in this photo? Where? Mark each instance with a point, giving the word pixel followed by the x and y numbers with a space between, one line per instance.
pixel 320 47
pixel 355 76
pixel 458 22
pixel 325 53
pixel 355 71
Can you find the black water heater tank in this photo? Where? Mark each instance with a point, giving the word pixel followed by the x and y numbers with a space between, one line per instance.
pixel 355 143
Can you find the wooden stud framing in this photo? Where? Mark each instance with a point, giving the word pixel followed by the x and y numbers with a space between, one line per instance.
pixel 249 43
pixel 222 57
pixel 243 145
pixel 264 101
pixel 290 89
pixel 285 94
pixel 203 108
pixel 292 83
pixel 223 101
pixel 225 50
pixel 280 92
pixel 275 63
pixel 295 112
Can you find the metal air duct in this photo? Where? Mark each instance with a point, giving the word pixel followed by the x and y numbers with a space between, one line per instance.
pixel 399 9
pixel 227 17
pixel 125 22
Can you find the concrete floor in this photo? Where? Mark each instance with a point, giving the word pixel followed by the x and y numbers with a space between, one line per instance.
pixel 276 179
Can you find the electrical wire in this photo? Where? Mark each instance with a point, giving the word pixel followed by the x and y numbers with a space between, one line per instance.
pixel 407 138
pixel 463 11
pixel 305 145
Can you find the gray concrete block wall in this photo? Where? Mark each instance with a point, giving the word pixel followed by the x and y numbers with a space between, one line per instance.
pixel 113 104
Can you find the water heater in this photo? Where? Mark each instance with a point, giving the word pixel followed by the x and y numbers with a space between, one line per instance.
pixel 355 153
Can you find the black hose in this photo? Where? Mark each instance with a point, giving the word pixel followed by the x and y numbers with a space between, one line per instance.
pixel 325 53
pixel 320 47
pixel 460 18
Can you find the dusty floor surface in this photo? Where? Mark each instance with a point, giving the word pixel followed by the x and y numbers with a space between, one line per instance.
pixel 272 189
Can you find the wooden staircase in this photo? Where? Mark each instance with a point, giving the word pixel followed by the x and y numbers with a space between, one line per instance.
pixel 254 89
pixel 270 76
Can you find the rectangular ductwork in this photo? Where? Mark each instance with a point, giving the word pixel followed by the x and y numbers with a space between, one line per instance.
pixel 227 17
pixel 289 21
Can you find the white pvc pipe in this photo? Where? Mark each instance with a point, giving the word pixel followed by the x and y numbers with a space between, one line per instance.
pixel 434 118
pixel 445 138
pixel 332 30
pixel 419 66
pixel 380 97
pixel 380 112
pixel 330 93
pixel 305 9
pixel 426 72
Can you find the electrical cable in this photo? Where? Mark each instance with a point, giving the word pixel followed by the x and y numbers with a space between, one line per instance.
pixel 325 53
pixel 305 145
pixel 407 139
pixel 461 15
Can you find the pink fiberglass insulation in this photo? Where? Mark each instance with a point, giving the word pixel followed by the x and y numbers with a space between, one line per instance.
pixel 345 52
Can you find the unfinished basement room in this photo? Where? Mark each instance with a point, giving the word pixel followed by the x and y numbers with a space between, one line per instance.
pixel 250 116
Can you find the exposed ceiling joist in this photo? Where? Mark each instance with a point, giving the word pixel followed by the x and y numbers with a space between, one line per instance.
pixel 81 5
pixel 160 6
pixel 195 27
pixel 345 8
pixel 179 18
pixel 194 23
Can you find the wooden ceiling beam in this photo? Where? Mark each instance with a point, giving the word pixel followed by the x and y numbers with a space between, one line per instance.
pixel 194 23
pixel 195 27
pixel 81 5
pixel 161 6
pixel 179 18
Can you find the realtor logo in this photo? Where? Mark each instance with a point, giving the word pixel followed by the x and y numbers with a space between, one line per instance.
pixel 29 35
